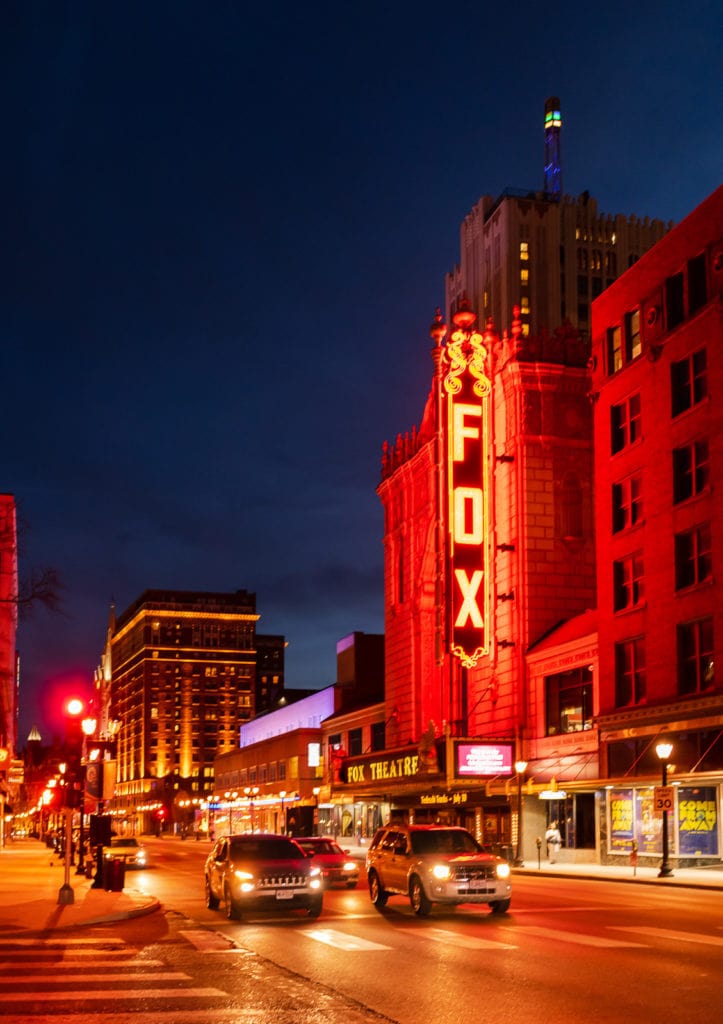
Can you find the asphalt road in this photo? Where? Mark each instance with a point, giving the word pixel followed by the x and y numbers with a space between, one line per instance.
pixel 568 950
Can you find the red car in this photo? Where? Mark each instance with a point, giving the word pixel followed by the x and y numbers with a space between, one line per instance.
pixel 336 865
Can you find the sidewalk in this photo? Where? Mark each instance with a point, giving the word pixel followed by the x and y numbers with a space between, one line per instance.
pixel 30 881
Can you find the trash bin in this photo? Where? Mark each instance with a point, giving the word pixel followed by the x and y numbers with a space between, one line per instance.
pixel 114 874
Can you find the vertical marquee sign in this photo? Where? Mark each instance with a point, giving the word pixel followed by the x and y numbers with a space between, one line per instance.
pixel 466 400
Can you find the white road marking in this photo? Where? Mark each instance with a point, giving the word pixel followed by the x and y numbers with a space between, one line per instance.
pixel 90 976
pixel 86 995
pixel 339 940
pixel 454 939
pixel 665 933
pixel 578 938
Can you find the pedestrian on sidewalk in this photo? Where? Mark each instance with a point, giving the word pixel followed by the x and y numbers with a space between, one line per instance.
pixel 554 841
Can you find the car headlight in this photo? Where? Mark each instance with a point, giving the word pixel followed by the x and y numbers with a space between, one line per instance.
pixel 315 872
pixel 441 871
pixel 350 866
pixel 245 880
pixel 503 870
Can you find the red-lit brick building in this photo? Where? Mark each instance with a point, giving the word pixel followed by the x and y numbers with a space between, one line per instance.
pixel 503 640
pixel 657 379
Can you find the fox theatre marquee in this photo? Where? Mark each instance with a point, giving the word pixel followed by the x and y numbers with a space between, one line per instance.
pixel 466 396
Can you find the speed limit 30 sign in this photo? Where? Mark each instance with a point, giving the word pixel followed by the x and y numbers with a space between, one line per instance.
pixel 664 798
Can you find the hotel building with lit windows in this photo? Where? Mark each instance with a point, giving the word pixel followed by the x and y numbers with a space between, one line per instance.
pixel 181 675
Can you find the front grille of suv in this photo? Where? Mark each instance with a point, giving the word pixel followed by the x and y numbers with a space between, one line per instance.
pixel 469 878
pixel 285 881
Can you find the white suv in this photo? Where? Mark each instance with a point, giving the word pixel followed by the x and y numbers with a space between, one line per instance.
pixel 435 864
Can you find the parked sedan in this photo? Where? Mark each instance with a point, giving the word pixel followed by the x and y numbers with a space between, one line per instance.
pixel 261 871
pixel 337 866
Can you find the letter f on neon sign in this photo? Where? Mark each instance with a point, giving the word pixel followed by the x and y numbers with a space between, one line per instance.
pixel 470 608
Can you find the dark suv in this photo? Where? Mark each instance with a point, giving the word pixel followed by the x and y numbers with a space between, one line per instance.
pixel 259 871
pixel 435 864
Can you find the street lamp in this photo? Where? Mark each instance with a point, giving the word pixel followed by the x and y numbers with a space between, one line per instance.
pixel 282 794
pixel 74 708
pixel 88 725
pixel 316 791
pixel 520 768
pixel 664 749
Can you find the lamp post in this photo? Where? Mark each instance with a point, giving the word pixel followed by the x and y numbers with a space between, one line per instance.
pixel 664 749
pixel 282 794
pixel 88 725
pixel 520 768
pixel 315 824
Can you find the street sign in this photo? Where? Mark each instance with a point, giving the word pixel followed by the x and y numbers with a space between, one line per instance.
pixel 664 798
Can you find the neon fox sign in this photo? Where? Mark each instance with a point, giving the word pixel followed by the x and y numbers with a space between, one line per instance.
pixel 466 393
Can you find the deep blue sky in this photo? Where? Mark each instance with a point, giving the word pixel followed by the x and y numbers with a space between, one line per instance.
pixel 225 231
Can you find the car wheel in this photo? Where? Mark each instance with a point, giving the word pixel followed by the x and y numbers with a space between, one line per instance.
pixel 379 896
pixel 314 909
pixel 500 907
pixel 233 911
pixel 211 900
pixel 418 898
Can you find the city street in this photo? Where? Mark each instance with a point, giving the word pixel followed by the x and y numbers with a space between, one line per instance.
pixel 569 950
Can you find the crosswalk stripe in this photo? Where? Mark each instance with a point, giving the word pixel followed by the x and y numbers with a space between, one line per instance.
pixel 453 939
pixel 665 933
pixel 92 976
pixel 118 965
pixel 84 995
pixel 578 938
pixel 339 940
pixel 188 1016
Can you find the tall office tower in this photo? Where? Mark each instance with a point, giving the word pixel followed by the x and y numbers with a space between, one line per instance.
pixel 549 254
pixel 183 681
pixel 8 622
pixel 553 150
pixel 657 380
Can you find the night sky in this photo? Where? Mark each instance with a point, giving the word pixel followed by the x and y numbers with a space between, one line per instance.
pixel 225 231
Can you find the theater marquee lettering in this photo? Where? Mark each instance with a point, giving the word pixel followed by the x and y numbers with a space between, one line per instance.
pixel 399 767
pixel 466 392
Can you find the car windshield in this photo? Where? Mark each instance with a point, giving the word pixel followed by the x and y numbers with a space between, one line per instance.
pixel 444 841
pixel 319 848
pixel 122 841
pixel 263 849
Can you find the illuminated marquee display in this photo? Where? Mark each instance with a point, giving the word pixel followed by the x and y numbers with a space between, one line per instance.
pixel 466 396
pixel 479 760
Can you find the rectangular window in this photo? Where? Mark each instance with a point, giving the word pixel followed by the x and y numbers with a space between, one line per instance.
pixel 674 307
pixel 524 277
pixel 628 585
pixel 697 284
pixel 690 470
pixel 355 742
pixel 629 672
pixel 378 735
pixel 568 701
pixel 524 251
pixel 693 561
pixel 614 350
pixel 633 345
pixel 624 423
pixel 695 657
pixel 627 503
pixel 688 381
